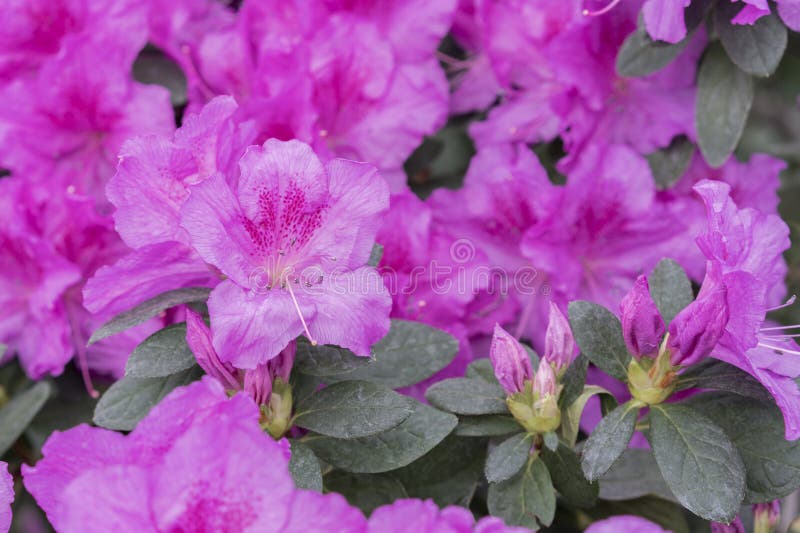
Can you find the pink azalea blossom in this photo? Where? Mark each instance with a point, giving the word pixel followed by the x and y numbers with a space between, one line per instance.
pixel 65 125
pixel 746 270
pixel 6 497
pixel 424 516
pixel 292 238
pixel 174 473
pixel 616 524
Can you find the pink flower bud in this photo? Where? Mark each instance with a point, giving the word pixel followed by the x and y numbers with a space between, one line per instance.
pixel 734 527
pixel 544 383
pixel 198 337
pixel 511 363
pixel 559 344
pixel 642 326
pixel 766 516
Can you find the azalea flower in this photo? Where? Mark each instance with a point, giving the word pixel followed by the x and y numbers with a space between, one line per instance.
pixel 174 473
pixel 618 523
pixel 424 516
pixel 744 281
pixel 292 239
pixel 6 497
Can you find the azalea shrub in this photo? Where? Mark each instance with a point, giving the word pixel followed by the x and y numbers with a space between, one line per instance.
pixel 399 266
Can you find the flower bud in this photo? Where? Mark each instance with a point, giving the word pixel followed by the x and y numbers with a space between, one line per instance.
pixel 510 361
pixel 276 416
pixel 652 381
pixel 559 344
pixel 536 409
pixel 766 516
pixel 544 382
pixel 642 325
pixel 695 331
pixel 734 527
pixel 198 337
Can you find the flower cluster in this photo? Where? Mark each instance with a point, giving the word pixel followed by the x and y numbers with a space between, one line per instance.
pixel 309 252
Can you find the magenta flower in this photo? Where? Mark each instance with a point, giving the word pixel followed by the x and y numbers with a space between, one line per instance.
pixel 33 31
pixel 619 523
pixel 67 123
pixel 642 325
pixel 6 497
pixel 512 365
pixel 292 238
pixel 150 186
pixel 174 473
pixel 744 248
pixel 424 516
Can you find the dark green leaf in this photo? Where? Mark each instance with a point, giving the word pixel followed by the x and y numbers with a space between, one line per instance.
pixel 698 461
pixel 670 163
pixel 449 473
pixel 352 409
pixel 486 426
pixel 756 48
pixel 670 288
pixel 508 458
pixel 482 369
pixel 756 429
pixel 411 352
pixel 326 360
pixel 163 353
pixel 129 400
pixel 304 467
pixel 526 499
pixel 724 97
pixel 148 309
pixel 719 375
pixel 375 255
pixel 17 414
pixel 153 67
pixel 574 380
pixel 466 396
pixel 634 474
pixel 641 56
pixel 365 491
pixel 565 470
pixel 599 334
pixel 413 438
pixel 608 440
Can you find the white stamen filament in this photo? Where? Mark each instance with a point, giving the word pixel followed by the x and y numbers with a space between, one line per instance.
pixel 297 308
pixel 778 348
pixel 602 11
pixel 789 302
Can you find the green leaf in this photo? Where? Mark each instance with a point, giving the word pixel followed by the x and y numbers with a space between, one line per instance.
pixel 3 349
pixel 163 353
pixel 448 474
pixel 719 375
pixel 599 334
pixel 413 438
pixel 326 360
pixel 375 255
pixel 640 55
pixel 526 499
pixel 486 426
pixel 352 409
pixel 304 467
pixel 698 461
pixel 571 418
pixel 508 458
pixel 148 309
pixel 153 67
pixel 670 288
pixel 466 396
pixel 634 474
pixel 565 470
pixel 411 352
pixel 756 48
pixel 574 381
pixel 365 491
pixel 724 97
pixel 550 441
pixel 129 400
pixel 17 414
pixel 669 164
pixel 608 440
pixel 482 369
pixel 756 429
